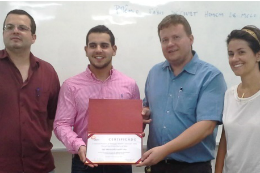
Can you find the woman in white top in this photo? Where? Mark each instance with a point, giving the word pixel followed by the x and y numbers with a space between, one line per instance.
pixel 239 148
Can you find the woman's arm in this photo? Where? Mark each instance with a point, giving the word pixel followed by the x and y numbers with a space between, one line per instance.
pixel 222 150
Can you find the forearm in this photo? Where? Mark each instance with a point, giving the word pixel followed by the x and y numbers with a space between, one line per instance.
pixel 222 149
pixel 190 137
pixel 65 120
pixel 68 137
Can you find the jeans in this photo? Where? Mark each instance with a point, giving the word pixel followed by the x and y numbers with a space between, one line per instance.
pixel 79 167
pixel 180 167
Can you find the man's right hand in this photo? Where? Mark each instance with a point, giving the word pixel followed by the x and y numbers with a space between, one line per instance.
pixel 146 115
pixel 82 155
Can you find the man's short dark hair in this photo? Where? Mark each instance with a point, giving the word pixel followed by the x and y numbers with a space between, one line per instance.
pixel 101 29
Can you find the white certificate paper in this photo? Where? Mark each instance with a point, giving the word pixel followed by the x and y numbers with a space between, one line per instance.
pixel 114 148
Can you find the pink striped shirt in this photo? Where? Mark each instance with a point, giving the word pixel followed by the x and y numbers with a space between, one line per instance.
pixel 72 110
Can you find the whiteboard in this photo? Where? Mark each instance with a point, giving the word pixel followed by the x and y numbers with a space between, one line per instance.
pixel 62 28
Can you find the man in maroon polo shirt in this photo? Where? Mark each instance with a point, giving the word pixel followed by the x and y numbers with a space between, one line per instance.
pixel 29 90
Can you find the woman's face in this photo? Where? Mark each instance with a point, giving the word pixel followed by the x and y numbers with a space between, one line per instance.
pixel 242 59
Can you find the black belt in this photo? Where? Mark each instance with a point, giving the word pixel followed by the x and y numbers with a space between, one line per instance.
pixel 172 161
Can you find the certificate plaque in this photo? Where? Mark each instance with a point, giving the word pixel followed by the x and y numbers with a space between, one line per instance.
pixel 114 148
pixel 115 128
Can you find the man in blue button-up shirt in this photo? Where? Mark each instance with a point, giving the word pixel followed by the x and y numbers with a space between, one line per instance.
pixel 183 103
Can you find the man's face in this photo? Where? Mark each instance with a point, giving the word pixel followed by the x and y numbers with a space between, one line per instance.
pixel 16 37
pixel 100 51
pixel 176 44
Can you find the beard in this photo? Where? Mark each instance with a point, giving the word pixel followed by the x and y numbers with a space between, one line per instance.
pixel 101 66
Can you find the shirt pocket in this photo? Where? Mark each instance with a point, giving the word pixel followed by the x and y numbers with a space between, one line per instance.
pixel 38 97
pixel 186 104
pixel 42 101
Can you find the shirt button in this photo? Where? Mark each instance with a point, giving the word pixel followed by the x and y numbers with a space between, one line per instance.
pixel 164 127
pixel 170 95
pixel 168 112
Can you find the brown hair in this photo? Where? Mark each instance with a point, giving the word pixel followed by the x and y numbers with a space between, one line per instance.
pixel 250 34
pixel 174 19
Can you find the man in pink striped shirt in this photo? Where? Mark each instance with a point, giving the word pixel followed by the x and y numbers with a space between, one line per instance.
pixel 99 81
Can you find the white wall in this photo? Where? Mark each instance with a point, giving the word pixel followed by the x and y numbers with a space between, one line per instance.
pixel 62 28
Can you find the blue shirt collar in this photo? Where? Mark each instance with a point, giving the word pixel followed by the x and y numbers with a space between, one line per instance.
pixel 190 67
